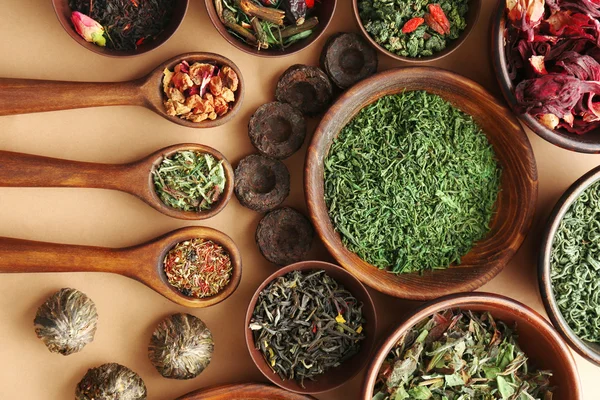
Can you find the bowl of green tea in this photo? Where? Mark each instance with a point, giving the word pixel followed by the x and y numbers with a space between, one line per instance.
pixel 420 183
pixel 310 327
pixel 473 346
pixel 192 181
pixel 569 266
pixel 120 28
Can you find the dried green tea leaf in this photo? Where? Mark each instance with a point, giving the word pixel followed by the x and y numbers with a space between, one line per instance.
pixel 181 347
pixel 111 382
pixel 66 322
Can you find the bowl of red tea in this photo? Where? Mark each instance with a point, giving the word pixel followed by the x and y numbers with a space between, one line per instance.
pixel 120 28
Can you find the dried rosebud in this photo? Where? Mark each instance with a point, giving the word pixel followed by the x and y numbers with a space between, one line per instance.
pixel 88 28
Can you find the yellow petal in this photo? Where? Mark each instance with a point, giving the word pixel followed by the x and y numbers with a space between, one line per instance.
pixel 340 319
pixel 359 330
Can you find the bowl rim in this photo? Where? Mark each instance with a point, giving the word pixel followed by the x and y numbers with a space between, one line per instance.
pixel 465 300
pixel 566 141
pixel 421 60
pixel 322 223
pixel 103 51
pixel 214 19
pixel 302 266
pixel 545 283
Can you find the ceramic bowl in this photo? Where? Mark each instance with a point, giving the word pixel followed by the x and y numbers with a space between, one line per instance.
pixel 514 208
pixel 588 350
pixel 63 13
pixel 536 337
pixel 335 377
pixel 471 18
pixel 324 12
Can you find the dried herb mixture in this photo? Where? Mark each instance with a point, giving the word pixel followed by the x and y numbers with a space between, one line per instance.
pixel 189 180
pixel 414 28
pixel 306 323
pixel 575 265
pixel 411 183
pixel 460 355
pixel 198 268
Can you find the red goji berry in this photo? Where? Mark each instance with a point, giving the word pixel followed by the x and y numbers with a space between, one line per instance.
pixel 440 17
pixel 310 3
pixel 433 24
pixel 412 24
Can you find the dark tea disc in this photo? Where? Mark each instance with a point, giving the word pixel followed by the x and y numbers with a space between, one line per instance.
pixel 347 58
pixel 305 87
pixel 284 236
pixel 261 183
pixel 277 130
pixel 111 382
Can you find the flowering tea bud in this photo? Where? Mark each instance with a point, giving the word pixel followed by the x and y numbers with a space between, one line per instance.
pixel 66 322
pixel 88 28
pixel 111 382
pixel 181 347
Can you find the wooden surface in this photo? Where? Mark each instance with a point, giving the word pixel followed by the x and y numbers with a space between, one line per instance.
pixel 143 262
pixel 516 200
pixel 537 339
pixel 27 170
pixel 23 96
pixel 128 311
pixel 243 391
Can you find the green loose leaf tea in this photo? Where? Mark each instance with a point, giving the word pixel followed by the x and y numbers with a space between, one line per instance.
pixel 414 28
pixel 189 180
pixel 306 323
pixel 458 356
pixel 411 183
pixel 575 265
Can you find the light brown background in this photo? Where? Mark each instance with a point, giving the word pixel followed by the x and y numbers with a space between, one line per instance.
pixel 33 45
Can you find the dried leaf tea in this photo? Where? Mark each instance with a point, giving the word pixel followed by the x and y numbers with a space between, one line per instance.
pixel 66 322
pixel 189 180
pixel 306 323
pixel 181 347
pixel 198 268
pixel 460 355
pixel 111 382
pixel 411 183
pixel 575 265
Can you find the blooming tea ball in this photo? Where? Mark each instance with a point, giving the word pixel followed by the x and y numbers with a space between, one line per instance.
pixel 66 322
pixel 181 347
pixel 111 382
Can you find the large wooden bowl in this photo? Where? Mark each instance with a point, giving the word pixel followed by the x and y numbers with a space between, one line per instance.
pixel 471 18
pixel 586 143
pixel 324 11
pixel 588 350
pixel 537 339
pixel 514 208
pixel 335 377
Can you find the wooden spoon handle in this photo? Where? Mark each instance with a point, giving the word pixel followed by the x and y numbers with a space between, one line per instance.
pixel 22 96
pixel 18 255
pixel 26 170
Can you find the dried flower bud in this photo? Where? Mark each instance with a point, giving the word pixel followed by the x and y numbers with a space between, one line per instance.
pixel 181 347
pixel 66 322
pixel 88 28
pixel 111 382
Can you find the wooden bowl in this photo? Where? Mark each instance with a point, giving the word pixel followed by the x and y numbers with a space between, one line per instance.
pixel 63 13
pixel 336 376
pixel 586 143
pixel 325 11
pixel 471 18
pixel 537 339
pixel 588 350
pixel 514 208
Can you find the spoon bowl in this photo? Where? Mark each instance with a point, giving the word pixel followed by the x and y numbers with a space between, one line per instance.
pixel 26 170
pixel 143 262
pixel 23 96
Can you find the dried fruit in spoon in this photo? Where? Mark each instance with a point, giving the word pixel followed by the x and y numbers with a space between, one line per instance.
pixel 199 92
pixel 460 355
pixel 552 52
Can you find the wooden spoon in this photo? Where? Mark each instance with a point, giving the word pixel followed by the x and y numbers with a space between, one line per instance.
pixel 22 96
pixel 244 391
pixel 26 170
pixel 143 262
